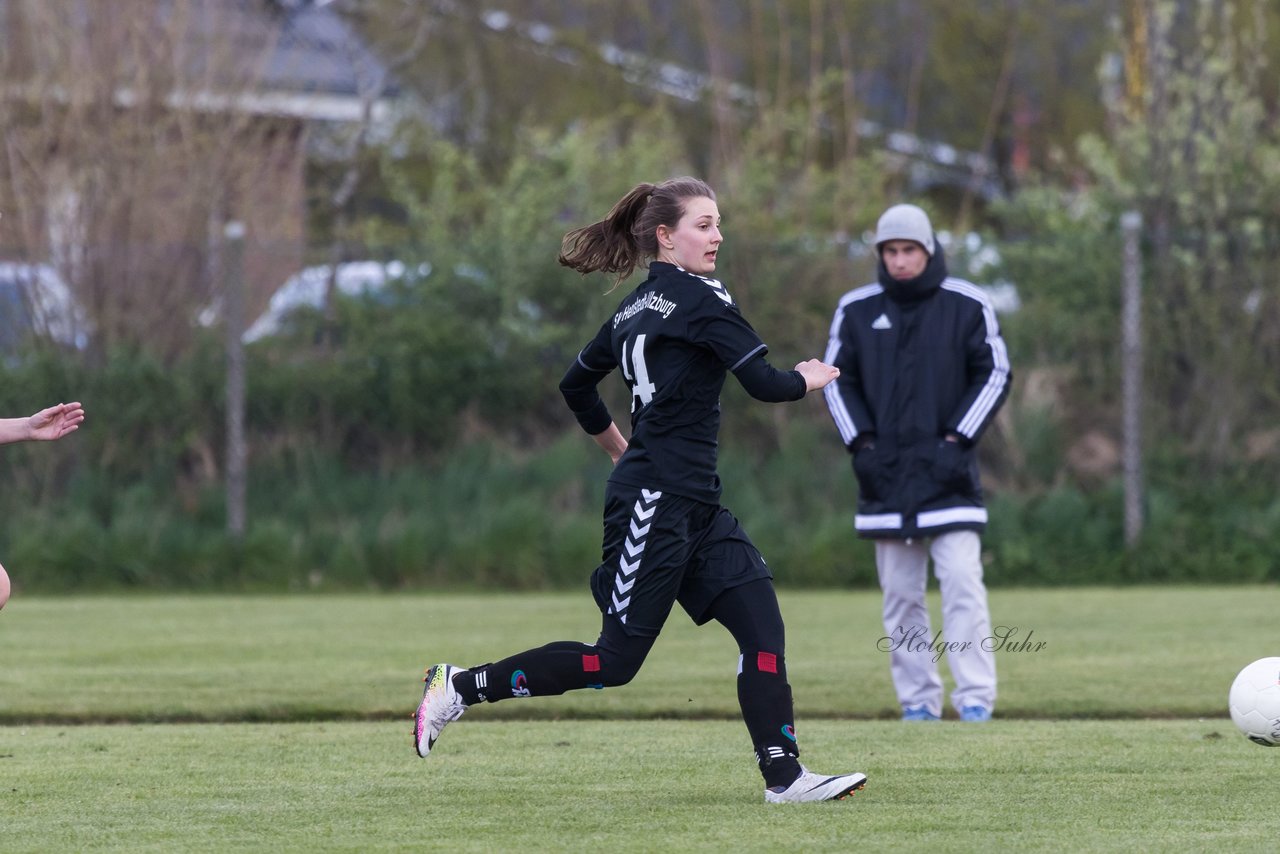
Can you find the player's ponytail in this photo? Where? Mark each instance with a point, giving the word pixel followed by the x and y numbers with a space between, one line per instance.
pixel 618 243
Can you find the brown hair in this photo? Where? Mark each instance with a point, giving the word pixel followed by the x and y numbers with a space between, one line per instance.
pixel 628 234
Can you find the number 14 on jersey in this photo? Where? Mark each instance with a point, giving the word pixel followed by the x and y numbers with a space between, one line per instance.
pixel 636 373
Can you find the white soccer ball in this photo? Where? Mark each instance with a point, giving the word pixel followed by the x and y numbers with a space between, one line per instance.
pixel 1254 702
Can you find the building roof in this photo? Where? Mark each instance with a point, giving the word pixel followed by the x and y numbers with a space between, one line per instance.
pixel 313 64
pixel 298 58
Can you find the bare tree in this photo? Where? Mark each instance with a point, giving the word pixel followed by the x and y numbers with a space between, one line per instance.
pixel 372 84
pixel 999 104
pixel 722 110
pixel 131 134
pixel 1190 151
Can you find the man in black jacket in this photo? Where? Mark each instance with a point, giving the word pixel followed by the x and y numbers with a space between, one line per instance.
pixel 923 370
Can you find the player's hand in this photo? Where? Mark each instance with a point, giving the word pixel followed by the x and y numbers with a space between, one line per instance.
pixel 816 373
pixel 612 442
pixel 56 421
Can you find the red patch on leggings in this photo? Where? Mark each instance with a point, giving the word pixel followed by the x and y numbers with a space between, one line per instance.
pixel 591 663
pixel 766 662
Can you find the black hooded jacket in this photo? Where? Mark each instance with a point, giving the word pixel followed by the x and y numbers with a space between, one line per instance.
pixel 919 360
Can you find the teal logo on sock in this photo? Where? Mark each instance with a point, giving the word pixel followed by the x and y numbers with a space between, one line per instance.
pixel 520 685
pixel 789 731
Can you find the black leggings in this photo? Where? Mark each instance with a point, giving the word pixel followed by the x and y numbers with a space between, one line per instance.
pixel 749 611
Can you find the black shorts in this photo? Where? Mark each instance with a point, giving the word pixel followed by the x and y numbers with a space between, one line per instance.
pixel 660 549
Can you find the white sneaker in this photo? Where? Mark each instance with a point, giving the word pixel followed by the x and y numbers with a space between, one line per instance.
pixel 440 705
pixel 815 787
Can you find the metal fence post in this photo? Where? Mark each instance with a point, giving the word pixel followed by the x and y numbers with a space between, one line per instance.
pixel 1131 367
pixel 233 304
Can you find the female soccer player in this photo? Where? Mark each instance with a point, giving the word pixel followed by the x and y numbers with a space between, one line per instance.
pixel 47 424
pixel 666 537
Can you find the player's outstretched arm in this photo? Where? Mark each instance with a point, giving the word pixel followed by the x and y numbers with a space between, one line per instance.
pixel 46 425
pixel 817 374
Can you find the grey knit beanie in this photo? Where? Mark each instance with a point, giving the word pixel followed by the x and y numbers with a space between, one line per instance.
pixel 905 222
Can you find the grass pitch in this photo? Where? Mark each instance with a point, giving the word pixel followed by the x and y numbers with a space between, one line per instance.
pixel 632 786
pixel 282 724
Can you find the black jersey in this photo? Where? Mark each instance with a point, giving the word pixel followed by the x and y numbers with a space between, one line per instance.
pixel 674 337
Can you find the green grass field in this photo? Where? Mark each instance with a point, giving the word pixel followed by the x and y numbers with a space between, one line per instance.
pixel 282 724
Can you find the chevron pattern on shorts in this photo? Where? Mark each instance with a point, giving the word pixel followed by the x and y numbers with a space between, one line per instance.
pixel 633 551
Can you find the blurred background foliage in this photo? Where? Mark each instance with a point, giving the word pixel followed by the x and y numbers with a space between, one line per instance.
pixel 415 437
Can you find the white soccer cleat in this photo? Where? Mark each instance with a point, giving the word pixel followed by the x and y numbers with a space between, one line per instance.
pixel 815 787
pixel 440 705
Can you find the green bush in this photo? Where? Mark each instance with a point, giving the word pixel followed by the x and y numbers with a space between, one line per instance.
pixel 486 517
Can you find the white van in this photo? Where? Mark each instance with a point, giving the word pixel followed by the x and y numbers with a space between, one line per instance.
pixel 307 289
